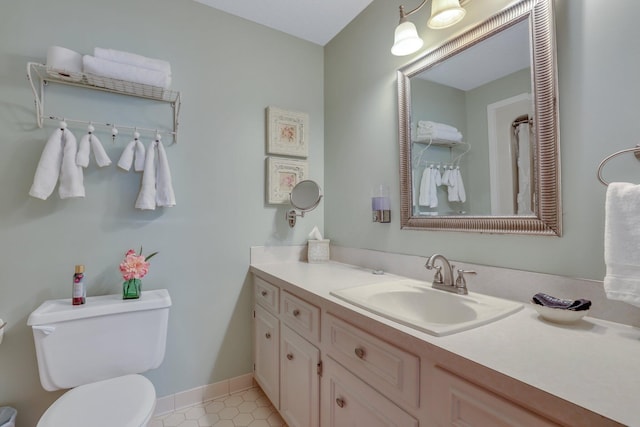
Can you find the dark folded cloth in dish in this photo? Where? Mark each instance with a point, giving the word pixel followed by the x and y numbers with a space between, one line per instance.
pixel 567 304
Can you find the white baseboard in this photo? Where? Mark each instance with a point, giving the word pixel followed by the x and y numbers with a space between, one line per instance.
pixel 197 395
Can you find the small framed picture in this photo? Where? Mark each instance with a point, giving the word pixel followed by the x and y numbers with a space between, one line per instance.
pixel 287 132
pixel 282 175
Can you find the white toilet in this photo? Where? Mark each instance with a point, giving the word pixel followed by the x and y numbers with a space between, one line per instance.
pixel 97 350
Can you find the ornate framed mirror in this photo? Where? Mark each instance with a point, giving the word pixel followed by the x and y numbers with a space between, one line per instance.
pixel 496 84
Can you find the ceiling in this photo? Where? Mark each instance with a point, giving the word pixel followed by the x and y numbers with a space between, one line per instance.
pixel 317 21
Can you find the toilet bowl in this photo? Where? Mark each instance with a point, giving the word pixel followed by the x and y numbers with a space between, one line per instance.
pixel 98 351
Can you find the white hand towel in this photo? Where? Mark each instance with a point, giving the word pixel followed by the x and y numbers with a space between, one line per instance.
pixel 84 147
pixel 102 159
pixel 48 170
pixel 132 59
pixel 453 187
pixel 71 178
pixel 424 198
pixel 622 243
pixel 138 164
pixel 433 188
pixel 134 149
pixel 462 194
pixel 445 177
pixel 165 196
pixel 130 73
pixel 147 195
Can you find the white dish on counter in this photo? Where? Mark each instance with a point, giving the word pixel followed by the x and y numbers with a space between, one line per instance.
pixel 559 315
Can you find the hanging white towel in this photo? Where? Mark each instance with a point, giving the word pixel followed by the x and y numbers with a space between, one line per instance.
pixel 462 194
pixel 425 188
pixel 452 186
pixel 445 177
pixel 48 170
pixel 133 150
pixel 71 178
pixel 91 142
pixel 622 243
pixel 435 181
pixel 147 195
pixel 165 196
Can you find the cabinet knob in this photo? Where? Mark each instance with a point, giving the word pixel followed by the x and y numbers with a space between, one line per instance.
pixel 296 312
pixel 290 356
pixel 340 402
pixel 268 335
pixel 263 293
pixel 359 351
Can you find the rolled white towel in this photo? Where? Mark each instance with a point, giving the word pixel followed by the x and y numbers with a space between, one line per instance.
pixel 165 196
pixel 147 195
pixel 48 170
pixel 131 73
pixel 133 59
pixel 71 177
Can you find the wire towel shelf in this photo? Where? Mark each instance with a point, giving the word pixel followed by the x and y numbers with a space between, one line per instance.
pixel 635 150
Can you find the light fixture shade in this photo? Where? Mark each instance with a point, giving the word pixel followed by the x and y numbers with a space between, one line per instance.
pixel 445 13
pixel 406 40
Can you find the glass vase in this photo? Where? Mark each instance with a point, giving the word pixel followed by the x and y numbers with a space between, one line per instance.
pixel 131 289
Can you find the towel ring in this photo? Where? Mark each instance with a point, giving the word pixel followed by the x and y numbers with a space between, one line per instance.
pixel 636 152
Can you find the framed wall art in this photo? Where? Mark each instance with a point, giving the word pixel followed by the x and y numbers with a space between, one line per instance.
pixel 287 132
pixel 282 175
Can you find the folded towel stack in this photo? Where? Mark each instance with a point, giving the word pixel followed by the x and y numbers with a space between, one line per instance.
pixel 128 66
pixel 565 304
pixel 433 130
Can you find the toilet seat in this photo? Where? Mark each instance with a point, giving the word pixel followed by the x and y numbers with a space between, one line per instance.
pixel 126 401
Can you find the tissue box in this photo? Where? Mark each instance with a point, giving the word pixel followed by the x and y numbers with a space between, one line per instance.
pixel 318 251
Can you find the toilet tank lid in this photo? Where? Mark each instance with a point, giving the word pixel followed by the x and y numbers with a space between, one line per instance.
pixel 61 310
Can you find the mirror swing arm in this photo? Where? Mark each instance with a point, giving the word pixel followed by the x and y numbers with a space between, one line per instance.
pixel 547 216
pixel 304 197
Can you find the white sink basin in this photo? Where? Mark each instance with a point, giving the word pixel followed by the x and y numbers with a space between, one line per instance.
pixel 417 305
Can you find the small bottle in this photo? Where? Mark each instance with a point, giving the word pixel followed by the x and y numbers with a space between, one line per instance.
pixel 79 293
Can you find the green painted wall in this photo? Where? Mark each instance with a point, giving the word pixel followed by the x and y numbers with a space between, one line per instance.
pixel 228 70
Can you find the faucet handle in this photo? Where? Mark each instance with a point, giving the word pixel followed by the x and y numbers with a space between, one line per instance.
pixel 437 277
pixel 461 283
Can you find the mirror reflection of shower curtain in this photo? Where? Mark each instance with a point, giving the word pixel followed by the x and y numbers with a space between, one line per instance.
pixel 522 157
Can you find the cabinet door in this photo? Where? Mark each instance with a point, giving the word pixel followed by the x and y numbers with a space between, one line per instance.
pixel 349 402
pixel 266 349
pixel 299 380
pixel 461 403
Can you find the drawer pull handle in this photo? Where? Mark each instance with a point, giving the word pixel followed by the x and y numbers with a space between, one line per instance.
pixel 268 335
pixel 340 402
pixel 296 312
pixel 264 293
pixel 359 351
pixel 290 356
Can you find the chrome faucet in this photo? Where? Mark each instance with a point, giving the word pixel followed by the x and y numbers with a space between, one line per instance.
pixel 444 281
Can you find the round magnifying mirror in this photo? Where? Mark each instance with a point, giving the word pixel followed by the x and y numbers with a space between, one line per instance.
pixel 305 196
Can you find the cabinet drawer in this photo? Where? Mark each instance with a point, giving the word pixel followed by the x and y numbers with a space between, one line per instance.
pixel 301 316
pixel 347 401
pixel 265 294
pixel 378 363
pixel 459 402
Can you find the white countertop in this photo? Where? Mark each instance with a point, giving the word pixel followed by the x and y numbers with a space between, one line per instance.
pixel 592 363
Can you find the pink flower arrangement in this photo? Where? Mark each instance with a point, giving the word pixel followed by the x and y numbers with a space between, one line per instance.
pixel 135 266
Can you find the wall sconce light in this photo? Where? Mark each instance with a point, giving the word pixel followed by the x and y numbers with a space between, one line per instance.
pixel 444 14
pixel 381 204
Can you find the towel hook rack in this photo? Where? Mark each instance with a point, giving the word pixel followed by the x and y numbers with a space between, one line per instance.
pixel 636 152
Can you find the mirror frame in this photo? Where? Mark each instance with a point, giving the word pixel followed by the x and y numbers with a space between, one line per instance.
pixel 547 219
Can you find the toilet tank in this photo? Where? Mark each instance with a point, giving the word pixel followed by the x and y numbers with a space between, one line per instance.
pixel 104 338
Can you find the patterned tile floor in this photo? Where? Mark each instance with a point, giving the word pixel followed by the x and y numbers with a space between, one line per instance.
pixel 249 408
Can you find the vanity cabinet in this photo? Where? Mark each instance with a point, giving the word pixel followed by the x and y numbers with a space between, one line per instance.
pixel 286 356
